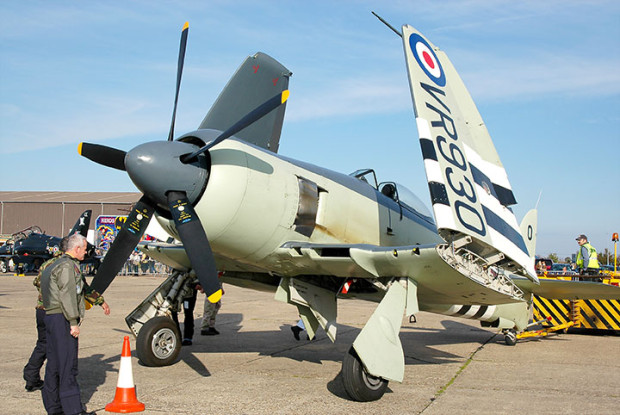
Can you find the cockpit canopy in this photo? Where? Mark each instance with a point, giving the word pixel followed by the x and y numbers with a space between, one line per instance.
pixel 395 191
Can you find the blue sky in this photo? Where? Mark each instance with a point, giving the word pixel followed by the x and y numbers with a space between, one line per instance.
pixel 545 77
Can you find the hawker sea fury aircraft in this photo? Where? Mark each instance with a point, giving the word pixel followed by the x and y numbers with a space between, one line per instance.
pixel 315 236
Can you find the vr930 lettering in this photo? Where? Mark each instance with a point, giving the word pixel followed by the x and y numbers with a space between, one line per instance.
pixel 456 169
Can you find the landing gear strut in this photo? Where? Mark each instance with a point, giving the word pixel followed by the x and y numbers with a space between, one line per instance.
pixel 359 384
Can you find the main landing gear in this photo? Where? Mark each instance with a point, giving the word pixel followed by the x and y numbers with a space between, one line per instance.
pixel 158 339
pixel 360 385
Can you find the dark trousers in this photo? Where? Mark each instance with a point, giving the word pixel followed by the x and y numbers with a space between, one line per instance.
pixel 61 392
pixel 189 304
pixel 32 370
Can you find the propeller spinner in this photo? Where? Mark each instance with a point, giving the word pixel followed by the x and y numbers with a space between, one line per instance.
pixel 172 175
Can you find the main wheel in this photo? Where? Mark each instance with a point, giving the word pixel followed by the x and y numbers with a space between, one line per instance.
pixel 359 384
pixel 159 342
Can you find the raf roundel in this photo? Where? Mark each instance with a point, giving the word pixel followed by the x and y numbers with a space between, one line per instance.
pixel 427 59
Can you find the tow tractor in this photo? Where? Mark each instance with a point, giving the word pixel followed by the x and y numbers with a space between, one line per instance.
pixel 546 329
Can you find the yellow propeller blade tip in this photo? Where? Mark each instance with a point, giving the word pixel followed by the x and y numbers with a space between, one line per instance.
pixel 215 297
pixel 80 149
pixel 285 95
pixel 186 26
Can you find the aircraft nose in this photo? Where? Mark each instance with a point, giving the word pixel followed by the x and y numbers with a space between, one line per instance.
pixel 155 168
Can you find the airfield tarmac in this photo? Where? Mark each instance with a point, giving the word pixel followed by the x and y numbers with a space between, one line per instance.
pixel 255 366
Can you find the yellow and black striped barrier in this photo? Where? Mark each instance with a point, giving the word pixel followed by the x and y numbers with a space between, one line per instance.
pixel 585 314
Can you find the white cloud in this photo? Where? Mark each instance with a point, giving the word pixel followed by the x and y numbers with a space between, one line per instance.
pixel 348 97
pixel 104 119
pixel 530 79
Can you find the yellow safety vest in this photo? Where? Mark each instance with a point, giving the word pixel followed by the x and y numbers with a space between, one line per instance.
pixel 593 260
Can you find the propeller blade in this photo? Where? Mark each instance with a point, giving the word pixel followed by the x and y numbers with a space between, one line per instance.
pixel 124 243
pixel 255 115
pixel 179 74
pixel 106 156
pixel 195 243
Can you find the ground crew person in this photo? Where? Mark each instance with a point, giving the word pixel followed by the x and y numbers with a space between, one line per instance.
pixel 587 258
pixel 210 311
pixel 62 289
pixel 189 303
pixel 32 370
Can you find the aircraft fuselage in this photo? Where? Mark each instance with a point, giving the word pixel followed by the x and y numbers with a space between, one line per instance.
pixel 255 201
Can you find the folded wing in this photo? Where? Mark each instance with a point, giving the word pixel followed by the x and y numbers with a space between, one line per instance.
pixel 469 186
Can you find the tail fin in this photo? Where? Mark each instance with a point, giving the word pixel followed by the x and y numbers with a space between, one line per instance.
pixel 82 224
pixel 469 187
pixel 259 78
pixel 529 229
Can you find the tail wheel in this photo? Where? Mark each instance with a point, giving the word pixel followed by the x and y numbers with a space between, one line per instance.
pixel 510 337
pixel 159 342
pixel 359 384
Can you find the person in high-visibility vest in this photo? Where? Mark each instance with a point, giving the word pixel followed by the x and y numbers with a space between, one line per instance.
pixel 587 258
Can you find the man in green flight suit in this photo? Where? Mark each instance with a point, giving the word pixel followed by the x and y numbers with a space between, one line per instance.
pixel 62 289
pixel 32 370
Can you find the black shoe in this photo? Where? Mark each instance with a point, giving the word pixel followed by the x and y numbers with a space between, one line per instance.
pixel 88 413
pixel 31 387
pixel 209 332
pixel 186 342
pixel 296 330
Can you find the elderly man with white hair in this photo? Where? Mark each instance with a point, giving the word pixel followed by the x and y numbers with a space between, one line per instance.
pixel 62 289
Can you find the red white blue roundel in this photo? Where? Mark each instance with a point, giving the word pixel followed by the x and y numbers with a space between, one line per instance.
pixel 427 59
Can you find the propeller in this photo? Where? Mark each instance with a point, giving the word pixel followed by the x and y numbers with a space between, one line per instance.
pixel 182 46
pixel 199 250
pixel 107 156
pixel 172 176
pixel 124 243
pixel 256 114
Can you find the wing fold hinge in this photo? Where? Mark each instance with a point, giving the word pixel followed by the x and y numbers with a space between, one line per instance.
pixel 479 269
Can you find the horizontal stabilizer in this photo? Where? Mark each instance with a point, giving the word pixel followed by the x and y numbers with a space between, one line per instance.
pixel 570 290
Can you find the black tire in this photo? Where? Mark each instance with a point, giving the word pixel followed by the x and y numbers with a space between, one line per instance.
pixel 360 385
pixel 510 337
pixel 159 342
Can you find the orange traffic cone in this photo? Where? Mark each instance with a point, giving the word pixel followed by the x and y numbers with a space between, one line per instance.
pixel 125 400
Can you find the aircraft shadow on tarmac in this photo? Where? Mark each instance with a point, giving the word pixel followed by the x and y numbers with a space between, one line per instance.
pixel 418 344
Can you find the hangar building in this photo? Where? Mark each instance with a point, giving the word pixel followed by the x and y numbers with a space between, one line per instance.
pixel 56 212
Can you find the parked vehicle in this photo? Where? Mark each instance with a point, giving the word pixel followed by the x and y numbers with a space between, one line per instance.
pixel 546 264
pixel 561 268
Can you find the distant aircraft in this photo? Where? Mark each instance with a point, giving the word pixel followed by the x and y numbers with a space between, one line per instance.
pixel 314 236
pixel 30 247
